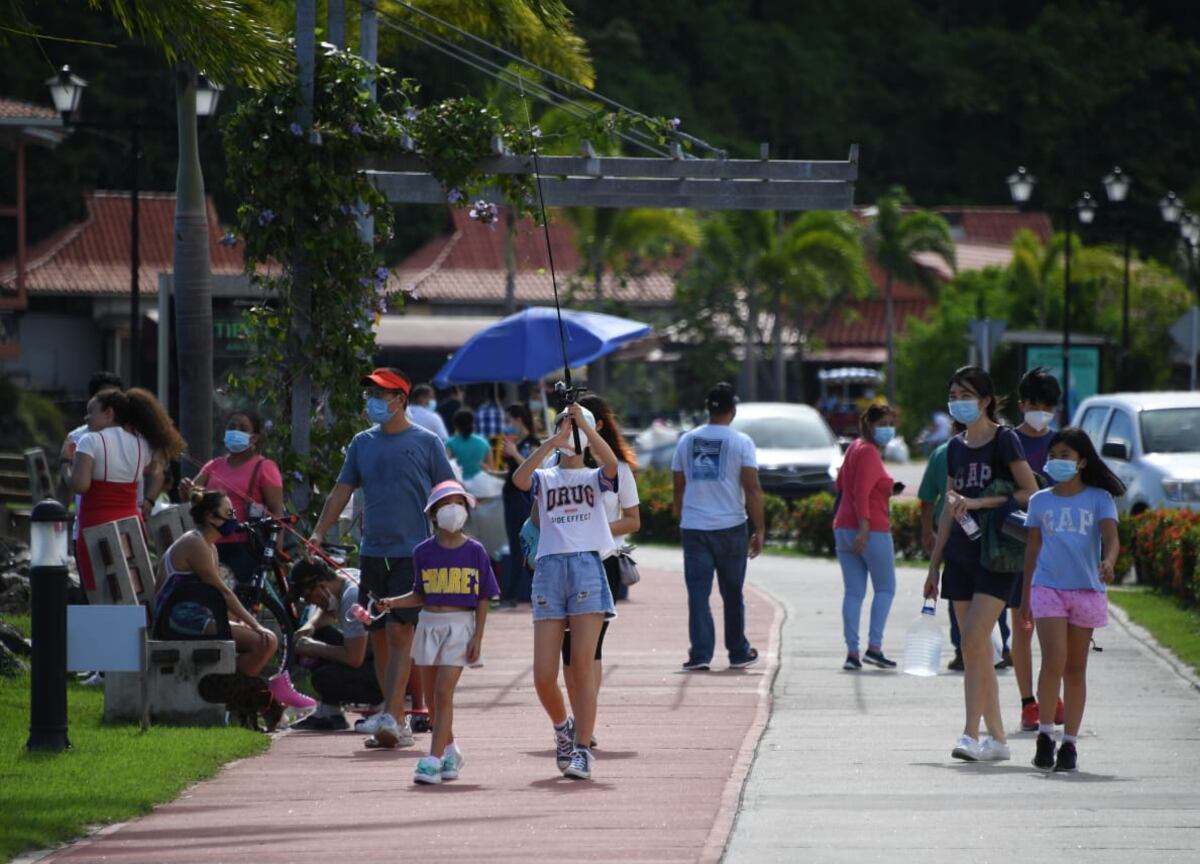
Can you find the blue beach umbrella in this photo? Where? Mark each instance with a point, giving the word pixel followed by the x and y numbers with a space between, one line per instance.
pixel 527 346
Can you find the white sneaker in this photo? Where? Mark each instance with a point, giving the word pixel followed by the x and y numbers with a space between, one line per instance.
pixel 991 750
pixel 452 763
pixel 429 770
pixel 406 734
pixel 388 731
pixel 967 749
pixel 369 725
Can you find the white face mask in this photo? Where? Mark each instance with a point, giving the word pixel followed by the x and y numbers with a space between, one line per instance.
pixel 452 518
pixel 1038 420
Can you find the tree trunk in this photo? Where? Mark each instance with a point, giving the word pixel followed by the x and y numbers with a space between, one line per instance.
pixel 193 288
pixel 890 326
pixel 777 344
pixel 300 334
pixel 335 28
pixel 750 342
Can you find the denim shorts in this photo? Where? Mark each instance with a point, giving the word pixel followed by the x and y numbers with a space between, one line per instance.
pixel 572 583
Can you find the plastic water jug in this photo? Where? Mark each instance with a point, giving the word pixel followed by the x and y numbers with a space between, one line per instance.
pixel 923 643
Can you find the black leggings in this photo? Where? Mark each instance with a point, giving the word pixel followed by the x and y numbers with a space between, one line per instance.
pixel 339 684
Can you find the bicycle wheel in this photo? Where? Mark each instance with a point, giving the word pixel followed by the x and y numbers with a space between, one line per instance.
pixel 272 616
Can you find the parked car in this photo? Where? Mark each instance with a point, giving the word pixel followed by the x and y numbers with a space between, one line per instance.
pixel 1152 442
pixel 798 454
pixel 655 445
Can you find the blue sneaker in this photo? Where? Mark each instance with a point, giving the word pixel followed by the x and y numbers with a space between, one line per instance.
pixel 564 744
pixel 428 770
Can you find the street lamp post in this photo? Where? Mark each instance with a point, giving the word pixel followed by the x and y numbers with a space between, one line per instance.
pixel 1020 187
pixel 1116 188
pixel 66 89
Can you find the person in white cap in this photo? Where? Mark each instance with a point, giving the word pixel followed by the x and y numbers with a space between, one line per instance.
pixel 453 584
pixel 569 582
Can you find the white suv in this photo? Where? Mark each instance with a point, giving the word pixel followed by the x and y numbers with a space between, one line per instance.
pixel 1152 442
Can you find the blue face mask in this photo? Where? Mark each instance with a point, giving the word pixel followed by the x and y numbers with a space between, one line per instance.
pixel 432 406
pixel 236 440
pixel 1061 470
pixel 510 429
pixel 884 434
pixel 377 411
pixel 965 411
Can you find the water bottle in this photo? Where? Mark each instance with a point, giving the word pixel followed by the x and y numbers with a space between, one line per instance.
pixel 923 643
pixel 997 643
pixel 970 526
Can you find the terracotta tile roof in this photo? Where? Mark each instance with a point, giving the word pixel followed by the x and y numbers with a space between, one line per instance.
pixel 92 257
pixel 468 265
pixel 11 109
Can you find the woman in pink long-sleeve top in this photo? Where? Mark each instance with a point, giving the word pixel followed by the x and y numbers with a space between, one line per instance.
pixel 863 529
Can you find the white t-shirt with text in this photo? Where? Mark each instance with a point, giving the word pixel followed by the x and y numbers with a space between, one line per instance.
pixel 625 495
pixel 571 512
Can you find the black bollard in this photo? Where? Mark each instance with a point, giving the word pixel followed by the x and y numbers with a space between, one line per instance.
pixel 48 613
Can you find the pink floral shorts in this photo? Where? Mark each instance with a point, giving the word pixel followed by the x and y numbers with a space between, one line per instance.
pixel 1081 607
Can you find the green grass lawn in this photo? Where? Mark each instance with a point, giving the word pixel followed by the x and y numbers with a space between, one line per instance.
pixel 113 772
pixel 1172 625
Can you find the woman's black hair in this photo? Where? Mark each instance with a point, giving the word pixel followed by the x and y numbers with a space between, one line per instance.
pixel 204 503
pixel 1095 472
pixel 1039 387
pixel 874 413
pixel 611 432
pixel 978 381
pixel 464 422
pixel 521 411
pixel 256 420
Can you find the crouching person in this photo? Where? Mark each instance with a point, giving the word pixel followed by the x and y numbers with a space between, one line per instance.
pixel 333 642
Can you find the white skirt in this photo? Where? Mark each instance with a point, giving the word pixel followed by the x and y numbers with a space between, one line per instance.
pixel 441 638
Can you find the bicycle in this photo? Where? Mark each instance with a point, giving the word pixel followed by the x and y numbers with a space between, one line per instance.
pixel 265 596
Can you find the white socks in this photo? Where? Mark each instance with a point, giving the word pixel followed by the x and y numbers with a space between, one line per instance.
pixel 1047 728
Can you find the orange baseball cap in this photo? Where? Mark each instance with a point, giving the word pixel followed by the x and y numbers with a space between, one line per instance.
pixel 388 379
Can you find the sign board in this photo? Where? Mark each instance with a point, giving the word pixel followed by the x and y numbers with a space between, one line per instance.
pixel 986 333
pixel 1085 370
pixel 105 638
pixel 1186 333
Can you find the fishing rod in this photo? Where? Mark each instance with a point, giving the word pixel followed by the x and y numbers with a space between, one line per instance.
pixel 564 389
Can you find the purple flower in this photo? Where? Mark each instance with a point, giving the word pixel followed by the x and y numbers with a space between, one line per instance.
pixel 454 196
pixel 365 282
pixel 296 129
pixel 382 274
pixel 410 114
pixel 228 239
pixel 266 217
pixel 536 132
pixel 356 130
pixel 268 425
pixel 297 476
pixel 674 122
pixel 485 212
pixel 383 307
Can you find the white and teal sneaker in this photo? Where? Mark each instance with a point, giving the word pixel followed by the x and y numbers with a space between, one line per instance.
pixel 428 770
pixel 452 763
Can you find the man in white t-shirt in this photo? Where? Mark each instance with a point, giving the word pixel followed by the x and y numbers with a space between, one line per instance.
pixel 716 483
pixel 421 411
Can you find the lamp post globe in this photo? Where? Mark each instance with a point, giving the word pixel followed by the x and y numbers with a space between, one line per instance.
pixel 1085 207
pixel 1116 185
pixel 1020 185
pixel 1170 208
pixel 66 90
pixel 208 94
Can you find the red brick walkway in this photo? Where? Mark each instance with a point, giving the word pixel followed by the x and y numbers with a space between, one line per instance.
pixel 674 749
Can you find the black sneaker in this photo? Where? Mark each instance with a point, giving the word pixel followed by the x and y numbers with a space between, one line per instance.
pixel 696 666
pixel 956 665
pixel 876 658
pixel 852 664
pixel 749 660
pixel 1005 660
pixel 1044 758
pixel 313 723
pixel 1067 759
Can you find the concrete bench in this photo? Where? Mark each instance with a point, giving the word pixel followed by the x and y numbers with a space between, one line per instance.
pixel 172 669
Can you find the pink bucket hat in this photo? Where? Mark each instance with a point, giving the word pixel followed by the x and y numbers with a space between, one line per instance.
pixel 444 490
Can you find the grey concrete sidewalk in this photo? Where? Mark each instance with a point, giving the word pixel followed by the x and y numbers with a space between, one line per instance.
pixel 856 766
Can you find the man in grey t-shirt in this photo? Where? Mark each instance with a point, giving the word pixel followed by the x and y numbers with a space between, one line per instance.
pixel 395 463
pixel 716 483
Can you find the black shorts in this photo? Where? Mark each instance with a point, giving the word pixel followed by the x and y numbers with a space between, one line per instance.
pixel 566 649
pixel 387 577
pixel 963 580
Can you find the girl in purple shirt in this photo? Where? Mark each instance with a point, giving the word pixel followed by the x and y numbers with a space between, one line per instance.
pixel 453 582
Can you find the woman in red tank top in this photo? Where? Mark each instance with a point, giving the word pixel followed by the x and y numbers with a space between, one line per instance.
pixel 127 428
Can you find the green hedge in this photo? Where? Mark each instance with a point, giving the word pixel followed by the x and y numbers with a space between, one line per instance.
pixel 656 489
pixel 1166 545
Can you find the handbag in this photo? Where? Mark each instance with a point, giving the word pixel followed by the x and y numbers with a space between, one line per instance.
pixel 626 567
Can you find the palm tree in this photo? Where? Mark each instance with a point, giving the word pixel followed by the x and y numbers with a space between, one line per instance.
pixel 1033 266
pixel 894 240
pixel 815 263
